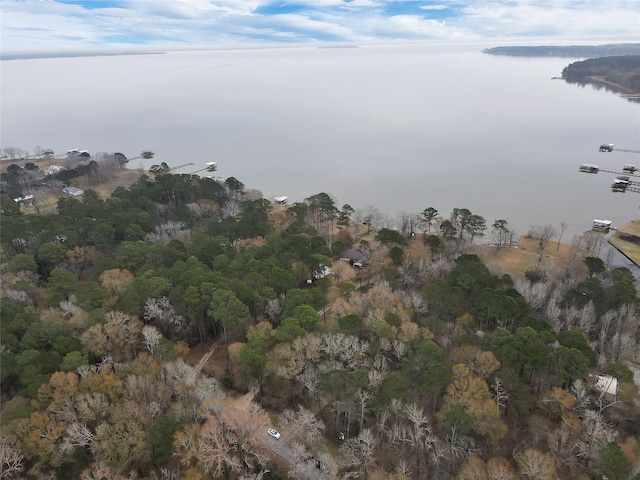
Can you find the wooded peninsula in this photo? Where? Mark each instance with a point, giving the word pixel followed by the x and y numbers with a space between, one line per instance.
pixel 614 67
pixel 620 74
pixel 574 51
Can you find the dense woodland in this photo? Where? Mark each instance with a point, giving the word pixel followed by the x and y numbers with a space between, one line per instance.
pixel 622 71
pixel 614 67
pixel 421 364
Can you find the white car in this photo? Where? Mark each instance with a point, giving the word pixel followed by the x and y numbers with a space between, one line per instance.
pixel 273 433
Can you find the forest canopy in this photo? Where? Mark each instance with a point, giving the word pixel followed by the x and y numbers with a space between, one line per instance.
pixel 377 351
pixel 622 72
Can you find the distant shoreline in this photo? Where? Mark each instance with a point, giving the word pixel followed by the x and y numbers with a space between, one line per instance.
pixel 575 51
pixel 37 56
pixel 43 55
pixel 616 73
pixel 337 46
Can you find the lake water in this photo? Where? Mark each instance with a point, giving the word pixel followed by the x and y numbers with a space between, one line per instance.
pixel 400 127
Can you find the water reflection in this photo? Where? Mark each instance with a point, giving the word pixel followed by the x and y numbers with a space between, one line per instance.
pixel 596 85
pixel 400 127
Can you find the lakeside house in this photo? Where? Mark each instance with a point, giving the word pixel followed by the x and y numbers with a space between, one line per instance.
pixel 355 256
pixel 53 170
pixel 607 386
pixel 73 191
pixel 27 199
pixel 325 272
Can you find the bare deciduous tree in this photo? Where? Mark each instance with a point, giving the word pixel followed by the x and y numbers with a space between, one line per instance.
pixel 18 296
pixel 204 208
pixel 408 223
pixel 77 435
pixel 472 469
pixel 14 152
pixel 588 318
pixel 107 166
pixel 409 273
pixel 541 233
pixel 253 194
pixel 554 312
pixel 581 394
pixel 92 407
pixel 596 433
pixel 179 371
pixel 593 243
pixel 151 337
pixel 118 337
pixel 116 279
pixel 10 460
pixel 121 443
pixel 614 339
pixel 380 364
pixel 170 322
pixel 163 234
pixel 501 234
pixel 561 442
pixel 310 379
pixel 534 293
pixel 229 441
pixel 563 227
pixel 621 347
pixel 362 398
pixel 501 394
pixel 101 471
pixel 146 390
pixel 348 350
pixel 359 451
pixel 371 216
pixel 303 425
pixel 534 465
pixel 166 474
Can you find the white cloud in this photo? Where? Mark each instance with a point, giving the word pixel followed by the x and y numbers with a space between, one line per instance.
pixel 49 25
pixel 553 18
pixel 314 3
pixel 417 28
pixel 363 3
pixel 194 9
pixel 312 28
pixel 434 7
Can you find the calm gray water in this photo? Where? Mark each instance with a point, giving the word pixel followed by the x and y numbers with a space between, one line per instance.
pixel 398 127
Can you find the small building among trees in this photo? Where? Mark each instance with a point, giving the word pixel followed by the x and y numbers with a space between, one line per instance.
pixel 73 191
pixel 354 255
pixel 607 386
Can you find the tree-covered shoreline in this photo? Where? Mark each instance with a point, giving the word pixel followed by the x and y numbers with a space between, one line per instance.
pixel 575 51
pixel 614 67
pixel 418 361
pixel 618 73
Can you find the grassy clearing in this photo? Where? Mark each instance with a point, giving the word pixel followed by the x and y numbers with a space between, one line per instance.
pixel 517 260
pixel 124 178
pixel 627 240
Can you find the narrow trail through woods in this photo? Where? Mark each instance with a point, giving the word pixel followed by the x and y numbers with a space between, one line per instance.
pixel 193 376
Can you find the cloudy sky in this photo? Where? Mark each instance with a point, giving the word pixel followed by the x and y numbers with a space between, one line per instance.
pixel 61 25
